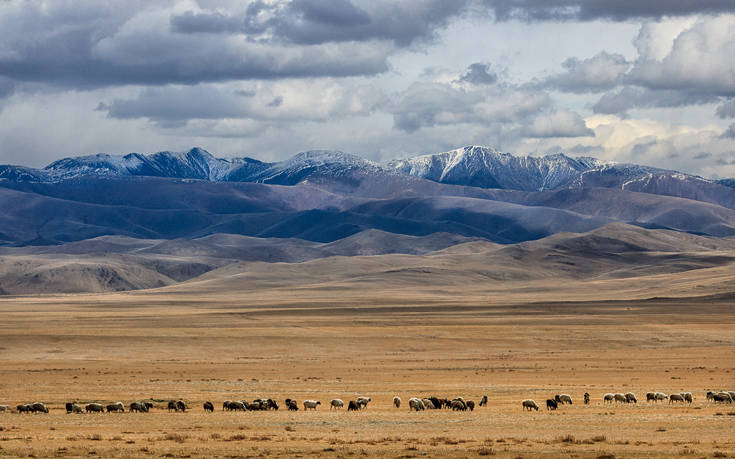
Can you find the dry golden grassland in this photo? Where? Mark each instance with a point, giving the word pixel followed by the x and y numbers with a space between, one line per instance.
pixel 332 340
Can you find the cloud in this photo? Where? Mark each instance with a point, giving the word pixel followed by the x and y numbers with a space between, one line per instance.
pixel 630 97
pixel 726 109
pixel 479 73
pixel 698 61
pixel 323 21
pixel 729 133
pixel 434 104
pixel 560 123
pixel 290 101
pixel 590 10
pixel 85 45
pixel 599 73
pixel 205 22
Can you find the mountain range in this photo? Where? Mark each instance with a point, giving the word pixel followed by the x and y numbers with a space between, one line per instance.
pixel 65 213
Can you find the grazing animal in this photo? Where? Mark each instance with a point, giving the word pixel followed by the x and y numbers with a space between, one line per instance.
pixel 116 407
pixel 226 405
pixel 68 407
pixel 459 405
pixel 292 405
pixel 586 398
pixel 76 409
pixel 608 398
pixel 272 405
pixel 238 405
pixel 564 399
pixel 363 401
pixel 529 405
pixel 710 395
pixel 209 406
pixel 676 398
pixel 722 397
pixel 732 394
pixel 172 406
pixel 470 404
pixel 620 398
pixel 650 396
pixel 397 401
pixel 336 404
pixel 415 404
pixel 148 405
pixel 138 407
pixel 39 407
pixel 352 406
pixel 181 406
pixel 428 404
pixel 94 408
pixel 24 408
pixel 4 408
pixel 661 396
pixel 688 397
pixel 438 404
pixel 312 404
pixel 483 401
pixel 630 397
pixel 551 404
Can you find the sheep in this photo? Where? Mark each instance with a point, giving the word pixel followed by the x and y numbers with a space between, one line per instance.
pixel 336 404
pixel 68 407
pixel 483 400
pixel 551 404
pixel 688 397
pixel 529 405
pixel 459 405
pixel 4 408
pixel 586 398
pixel 415 404
pixel 352 406
pixel 620 398
pixel 428 404
pixel 238 405
pixel 397 401
pixel 226 405
pixel 650 396
pixel 722 397
pixel 710 395
pixel 39 407
pixel 272 405
pixel 24 408
pixel 76 409
pixel 661 396
pixel 312 404
pixel 115 407
pixel 94 408
pixel 676 398
pixel 292 405
pixel 138 407
pixel 630 397
pixel 363 401
pixel 732 394
pixel 255 405
pixel 148 405
pixel 470 404
pixel 181 406
pixel 608 398
pixel 565 398
pixel 438 404
pixel 209 406
pixel 172 406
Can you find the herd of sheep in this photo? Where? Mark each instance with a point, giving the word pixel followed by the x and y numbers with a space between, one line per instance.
pixel 360 403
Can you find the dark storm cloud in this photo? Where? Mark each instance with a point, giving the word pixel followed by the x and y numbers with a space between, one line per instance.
pixel 590 10
pixel 631 97
pixel 190 22
pixel 323 21
pixel 479 73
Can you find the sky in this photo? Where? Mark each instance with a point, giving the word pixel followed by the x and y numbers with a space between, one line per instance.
pixel 645 82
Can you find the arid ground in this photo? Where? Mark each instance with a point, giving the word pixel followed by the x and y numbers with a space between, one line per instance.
pixel 229 337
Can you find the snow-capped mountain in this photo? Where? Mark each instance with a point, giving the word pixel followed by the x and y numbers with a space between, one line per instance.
pixel 472 166
pixel 488 168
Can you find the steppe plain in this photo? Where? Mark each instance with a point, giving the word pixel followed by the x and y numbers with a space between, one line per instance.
pixel 616 310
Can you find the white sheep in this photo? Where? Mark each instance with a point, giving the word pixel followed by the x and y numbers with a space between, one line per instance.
pixel 529 405
pixel 4 408
pixel 397 401
pixel 630 397
pixel 565 398
pixel 415 404
pixel 688 397
pixel 310 404
pixel 660 396
pixel 620 398
pixel 609 397
pixel 336 404
pixel 428 404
